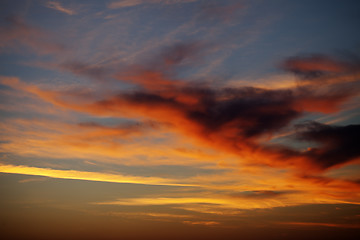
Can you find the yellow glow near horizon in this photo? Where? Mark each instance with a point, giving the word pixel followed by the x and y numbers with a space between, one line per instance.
pixel 89 176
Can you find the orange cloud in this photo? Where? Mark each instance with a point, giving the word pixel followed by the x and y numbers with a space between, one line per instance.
pixel 314 64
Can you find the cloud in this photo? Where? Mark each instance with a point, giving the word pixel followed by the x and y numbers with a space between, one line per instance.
pixel 122 143
pixel 322 224
pixel 321 100
pixel 239 120
pixel 260 194
pixel 16 32
pixel 317 65
pixel 231 119
pixel 132 3
pixel 313 65
pixel 125 128
pixel 58 7
pixel 37 179
pixel 155 74
pixel 212 202
pixel 129 142
pixel 220 204
pixel 205 223
pixel 125 3
pixel 89 176
pixel 324 82
pixel 337 144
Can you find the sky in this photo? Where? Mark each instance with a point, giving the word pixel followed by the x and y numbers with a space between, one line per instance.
pixel 180 119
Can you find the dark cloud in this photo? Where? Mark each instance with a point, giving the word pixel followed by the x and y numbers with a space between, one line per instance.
pixel 239 117
pixel 251 111
pixel 330 146
pixel 337 144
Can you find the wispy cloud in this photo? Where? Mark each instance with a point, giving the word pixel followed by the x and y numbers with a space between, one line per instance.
pixel 125 3
pixel 17 32
pixel 58 7
pixel 132 3
pixel 322 224
pixel 205 223
pixel 218 204
pixel 165 201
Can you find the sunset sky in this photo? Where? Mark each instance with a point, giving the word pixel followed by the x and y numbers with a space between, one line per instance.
pixel 180 119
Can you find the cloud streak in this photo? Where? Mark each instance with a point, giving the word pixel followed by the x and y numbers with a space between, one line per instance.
pixel 323 224
pixel 133 3
pixel 89 176
pixel 58 7
pixel 16 32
